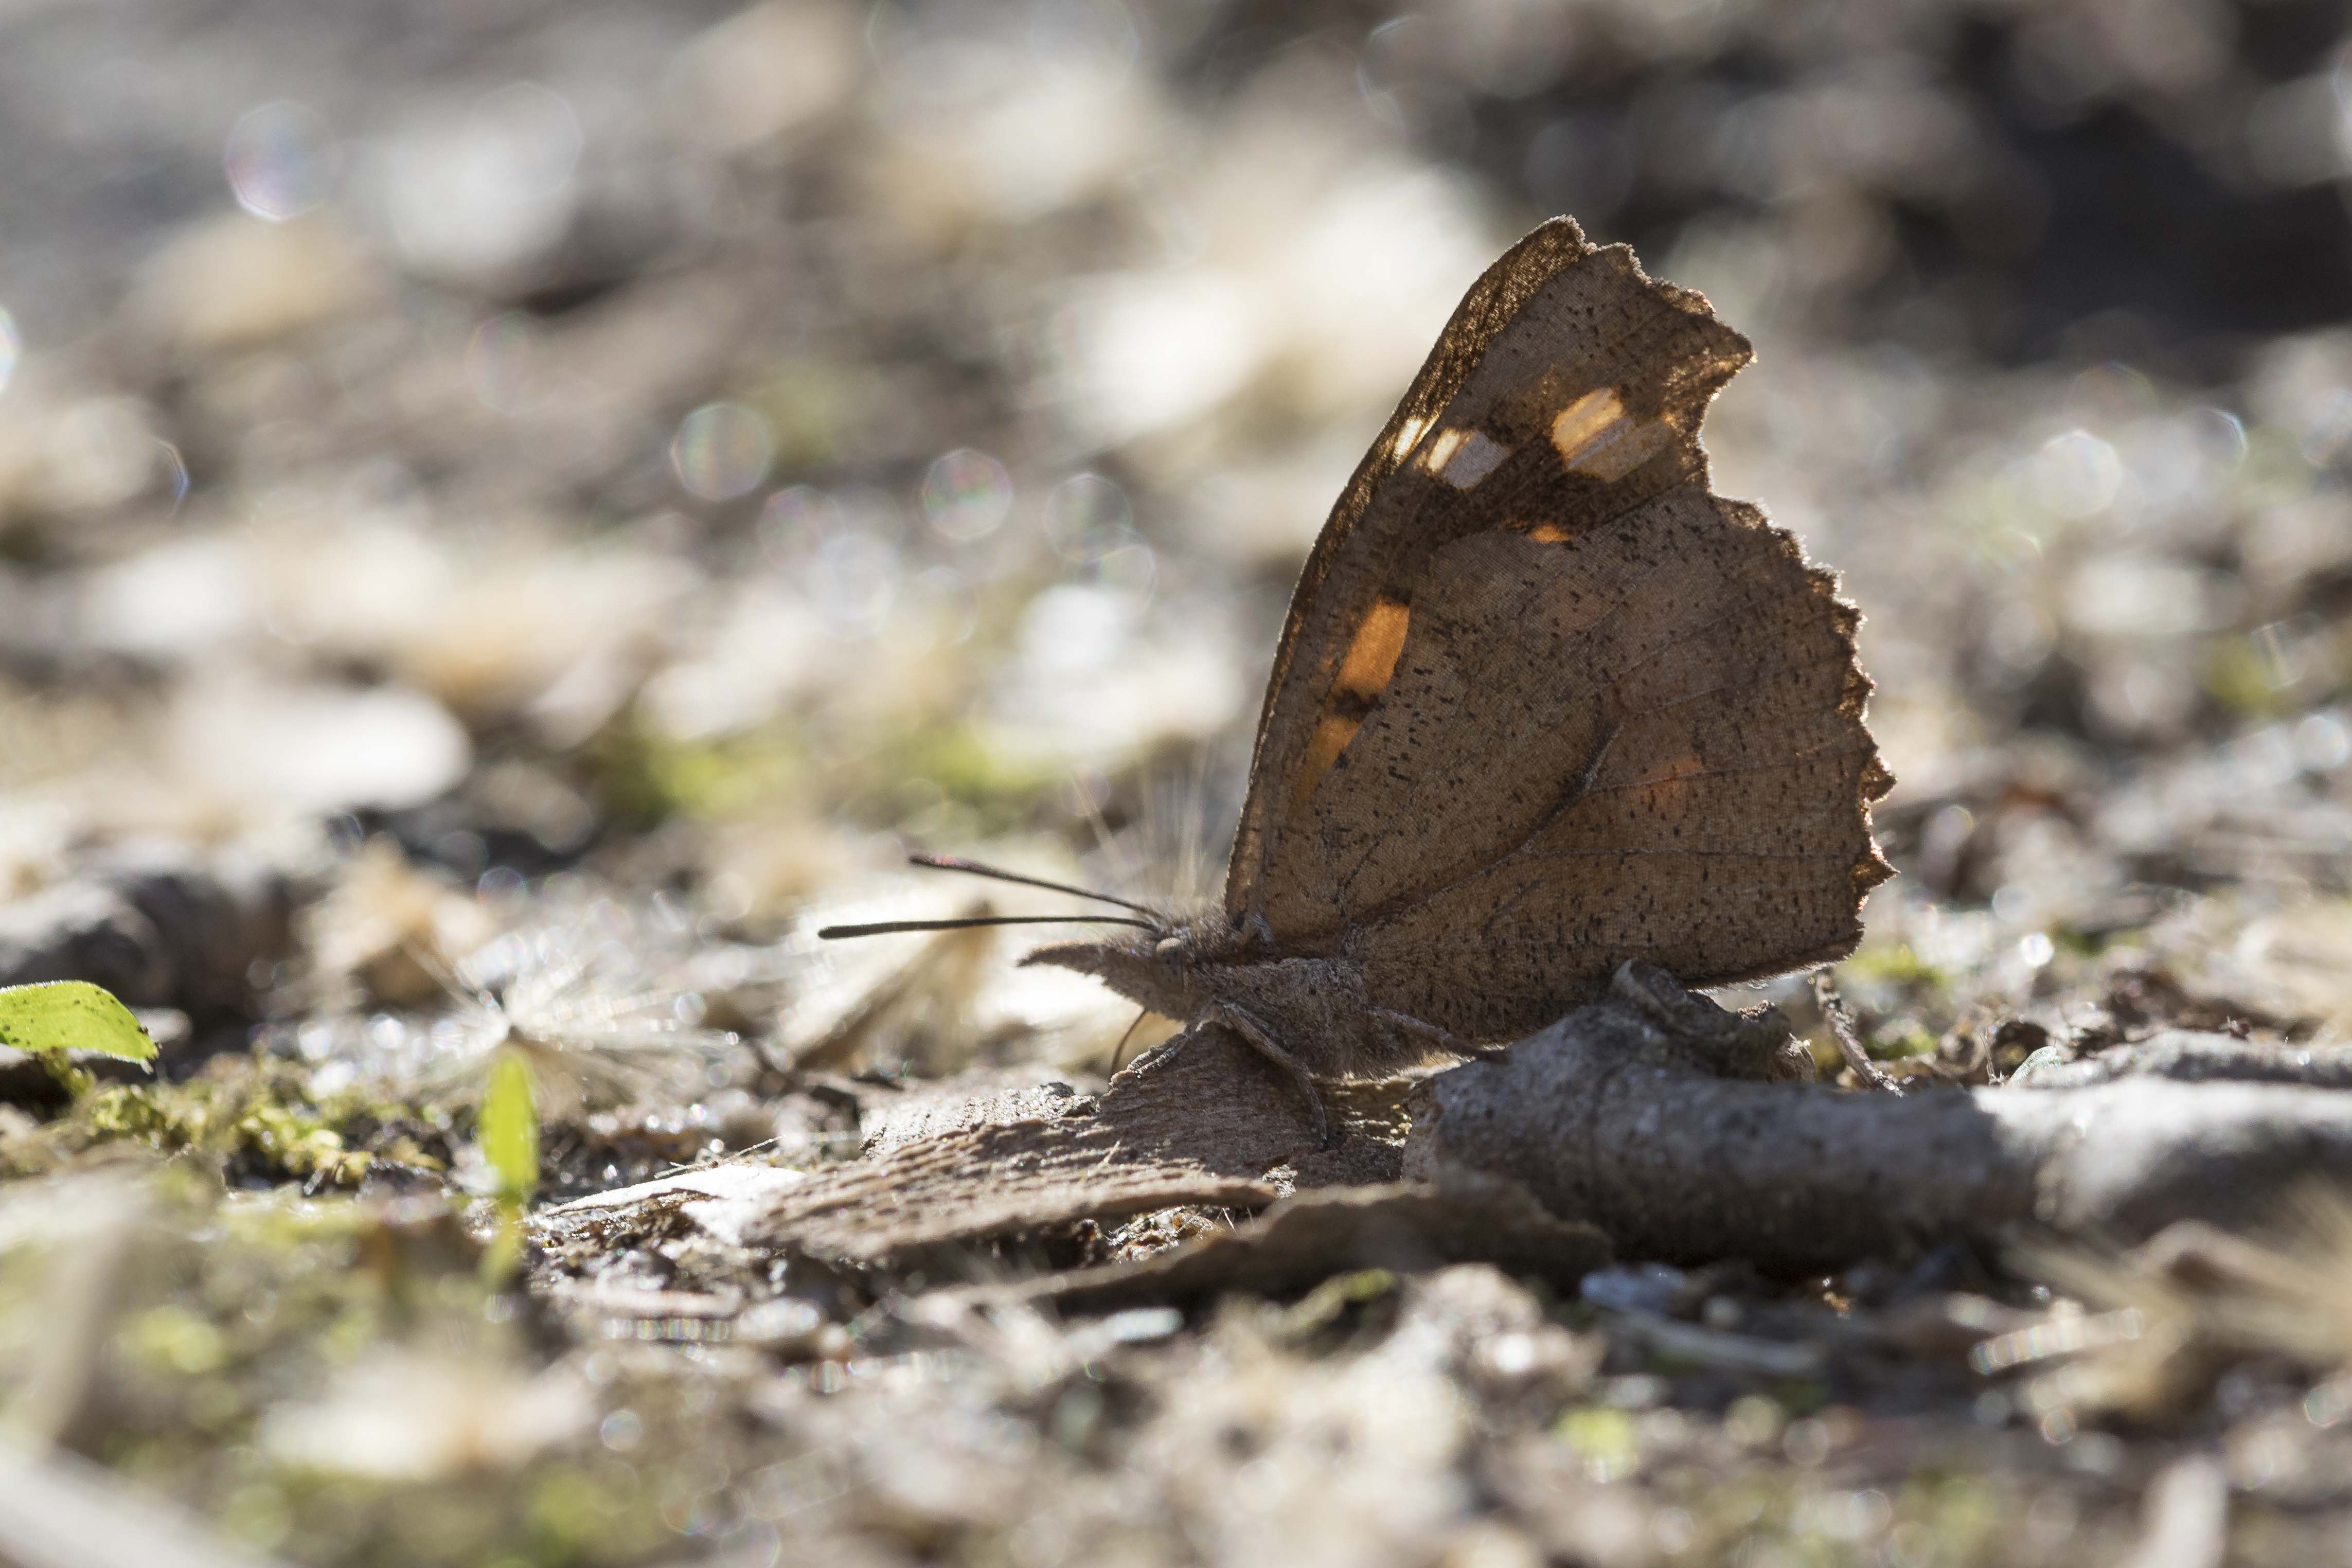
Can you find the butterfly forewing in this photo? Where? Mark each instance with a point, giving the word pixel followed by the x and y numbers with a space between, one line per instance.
pixel 1543 703
pixel 1337 589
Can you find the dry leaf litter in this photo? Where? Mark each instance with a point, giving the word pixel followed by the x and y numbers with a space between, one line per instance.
pixel 509 521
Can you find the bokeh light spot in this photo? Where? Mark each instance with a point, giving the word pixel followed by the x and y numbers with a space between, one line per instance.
pixel 103 452
pixel 2076 475
pixel 834 555
pixel 11 347
pixel 967 495
pixel 854 579
pixel 542 128
pixel 1074 626
pixel 1132 568
pixel 478 194
pixel 794 522
pixel 1087 517
pixel 176 466
pixel 281 160
pixel 722 450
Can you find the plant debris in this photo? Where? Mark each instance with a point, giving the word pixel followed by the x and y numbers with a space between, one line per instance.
pixel 511 523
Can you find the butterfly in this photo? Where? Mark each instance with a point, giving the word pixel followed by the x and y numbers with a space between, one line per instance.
pixel 1542 703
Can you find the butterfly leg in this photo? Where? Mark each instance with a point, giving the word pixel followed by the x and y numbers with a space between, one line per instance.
pixel 1261 1040
pixel 1255 927
pixel 1444 1039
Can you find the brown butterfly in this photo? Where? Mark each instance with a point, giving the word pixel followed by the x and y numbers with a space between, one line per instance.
pixel 1542 704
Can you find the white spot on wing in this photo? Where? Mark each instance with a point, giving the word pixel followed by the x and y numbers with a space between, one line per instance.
pixel 1595 437
pixel 1463 457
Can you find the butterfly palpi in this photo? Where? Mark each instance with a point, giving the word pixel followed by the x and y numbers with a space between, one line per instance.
pixel 1542 704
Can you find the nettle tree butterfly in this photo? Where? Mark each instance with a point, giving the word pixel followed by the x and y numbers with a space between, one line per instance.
pixel 1543 703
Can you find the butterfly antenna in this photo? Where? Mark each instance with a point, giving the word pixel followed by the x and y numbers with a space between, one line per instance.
pixel 974 868
pixel 886 928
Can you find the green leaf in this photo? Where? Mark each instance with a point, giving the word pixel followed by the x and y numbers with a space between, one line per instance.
pixel 509 1127
pixel 71 1015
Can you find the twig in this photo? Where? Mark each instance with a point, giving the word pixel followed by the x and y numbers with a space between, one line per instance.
pixel 1849 1041
pixel 1606 1121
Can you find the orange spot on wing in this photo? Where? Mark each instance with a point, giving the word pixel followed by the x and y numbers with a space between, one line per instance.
pixel 1323 748
pixel 1372 652
pixel 1550 533
pixel 1364 673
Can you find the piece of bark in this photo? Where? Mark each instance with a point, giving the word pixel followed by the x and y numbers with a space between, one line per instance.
pixel 982 1098
pixel 1607 1117
pixel 994 1180
pixel 2191 1056
pixel 1202 1119
pixel 716 1200
pixel 1307 1238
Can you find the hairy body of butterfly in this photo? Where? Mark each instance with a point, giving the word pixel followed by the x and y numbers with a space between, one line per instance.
pixel 1543 703
pixel 1310 1016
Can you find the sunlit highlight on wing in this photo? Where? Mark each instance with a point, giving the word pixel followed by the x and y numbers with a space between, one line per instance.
pixel 1595 435
pixel 1463 457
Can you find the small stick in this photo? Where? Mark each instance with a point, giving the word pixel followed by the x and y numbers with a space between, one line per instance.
pixel 1849 1041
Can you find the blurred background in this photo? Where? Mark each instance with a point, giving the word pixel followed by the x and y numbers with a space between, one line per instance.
pixel 573 493
pixel 716 449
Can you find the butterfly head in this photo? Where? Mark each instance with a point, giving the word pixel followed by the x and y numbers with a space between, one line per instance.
pixel 1159 967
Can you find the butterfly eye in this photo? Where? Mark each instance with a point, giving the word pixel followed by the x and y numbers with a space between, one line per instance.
pixel 1168 947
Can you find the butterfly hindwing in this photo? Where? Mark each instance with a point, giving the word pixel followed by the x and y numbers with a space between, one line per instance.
pixel 1703 735
pixel 1543 703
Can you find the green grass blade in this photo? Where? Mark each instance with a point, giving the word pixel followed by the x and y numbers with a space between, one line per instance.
pixel 509 1127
